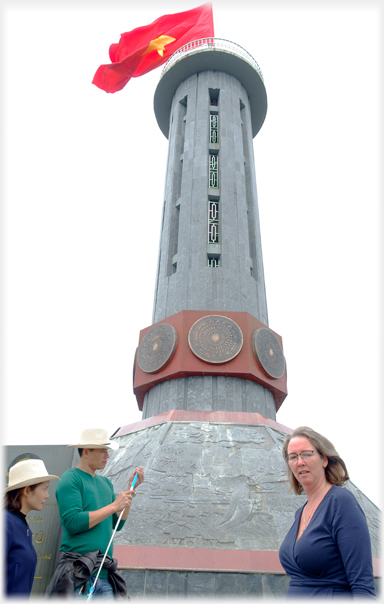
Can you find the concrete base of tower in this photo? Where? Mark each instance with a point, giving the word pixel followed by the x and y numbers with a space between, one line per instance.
pixel 151 584
pixel 215 500
pixel 143 584
pixel 212 585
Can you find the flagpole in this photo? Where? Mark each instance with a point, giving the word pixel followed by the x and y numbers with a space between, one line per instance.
pixel 108 546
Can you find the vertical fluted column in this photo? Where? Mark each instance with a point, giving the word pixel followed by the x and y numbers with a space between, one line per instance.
pixel 185 281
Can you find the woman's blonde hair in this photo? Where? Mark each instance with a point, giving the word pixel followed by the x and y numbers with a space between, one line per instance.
pixel 335 472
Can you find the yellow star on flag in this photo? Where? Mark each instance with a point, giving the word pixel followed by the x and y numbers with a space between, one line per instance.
pixel 159 44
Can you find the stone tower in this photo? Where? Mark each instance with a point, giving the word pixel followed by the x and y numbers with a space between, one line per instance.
pixel 209 373
pixel 210 102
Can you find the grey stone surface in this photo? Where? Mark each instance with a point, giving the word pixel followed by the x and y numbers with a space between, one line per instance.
pixel 209 393
pixel 211 485
pixel 156 584
pixel 135 581
pixel 275 586
pixel 203 585
pixel 238 585
pixel 177 584
pixel 200 585
pixel 212 585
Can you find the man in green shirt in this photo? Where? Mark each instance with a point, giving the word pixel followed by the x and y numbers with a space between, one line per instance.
pixel 88 507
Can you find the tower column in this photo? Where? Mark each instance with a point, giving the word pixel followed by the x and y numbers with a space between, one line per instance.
pixel 187 280
pixel 210 103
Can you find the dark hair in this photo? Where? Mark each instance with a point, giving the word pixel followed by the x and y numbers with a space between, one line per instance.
pixel 80 451
pixel 12 499
pixel 335 472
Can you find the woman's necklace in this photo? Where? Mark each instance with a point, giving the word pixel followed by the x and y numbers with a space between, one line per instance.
pixel 313 509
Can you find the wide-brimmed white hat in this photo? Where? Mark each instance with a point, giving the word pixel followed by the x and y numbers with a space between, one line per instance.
pixel 95 438
pixel 28 472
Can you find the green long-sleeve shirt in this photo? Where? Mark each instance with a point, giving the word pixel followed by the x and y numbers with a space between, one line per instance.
pixel 77 494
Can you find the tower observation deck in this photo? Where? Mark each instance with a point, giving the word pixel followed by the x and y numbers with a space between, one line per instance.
pixel 211 54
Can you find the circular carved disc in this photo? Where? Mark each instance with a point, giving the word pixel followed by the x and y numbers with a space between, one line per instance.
pixel 268 352
pixel 157 348
pixel 215 339
pixel 134 366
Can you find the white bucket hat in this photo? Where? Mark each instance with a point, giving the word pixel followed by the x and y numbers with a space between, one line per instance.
pixel 95 438
pixel 28 472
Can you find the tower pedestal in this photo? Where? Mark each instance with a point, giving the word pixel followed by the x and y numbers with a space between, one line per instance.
pixel 213 509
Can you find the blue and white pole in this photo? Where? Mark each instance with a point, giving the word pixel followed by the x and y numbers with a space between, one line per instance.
pixel 108 546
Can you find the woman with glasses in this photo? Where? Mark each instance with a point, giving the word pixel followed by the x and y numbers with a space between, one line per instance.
pixel 327 551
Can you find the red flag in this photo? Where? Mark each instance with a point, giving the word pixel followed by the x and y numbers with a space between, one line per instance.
pixel 148 47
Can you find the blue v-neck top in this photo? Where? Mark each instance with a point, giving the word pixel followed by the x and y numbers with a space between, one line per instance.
pixel 333 555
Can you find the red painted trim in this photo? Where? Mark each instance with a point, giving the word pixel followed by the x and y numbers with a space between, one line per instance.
pixel 195 559
pixel 376 563
pixel 140 557
pixel 184 363
pixel 178 415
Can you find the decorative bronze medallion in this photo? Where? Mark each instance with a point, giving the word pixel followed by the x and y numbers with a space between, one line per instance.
pixel 215 339
pixel 157 348
pixel 134 366
pixel 268 352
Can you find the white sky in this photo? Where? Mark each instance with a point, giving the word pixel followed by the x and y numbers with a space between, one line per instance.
pixel 84 179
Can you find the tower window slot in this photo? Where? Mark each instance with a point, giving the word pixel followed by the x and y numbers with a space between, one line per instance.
pixel 213 222
pixel 213 171
pixel 214 96
pixel 214 131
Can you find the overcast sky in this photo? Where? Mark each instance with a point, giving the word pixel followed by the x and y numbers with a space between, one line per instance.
pixel 84 176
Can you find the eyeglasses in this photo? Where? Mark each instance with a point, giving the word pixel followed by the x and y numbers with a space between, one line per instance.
pixel 305 455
